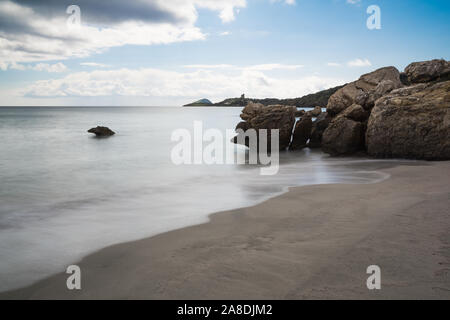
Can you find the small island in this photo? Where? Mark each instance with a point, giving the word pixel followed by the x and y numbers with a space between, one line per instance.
pixel 200 103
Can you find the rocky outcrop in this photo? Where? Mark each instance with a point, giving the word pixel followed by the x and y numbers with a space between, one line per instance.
pixel 428 71
pixel 412 122
pixel 309 101
pixel 302 133
pixel 351 107
pixel 102 131
pixel 387 114
pixel 345 133
pixel 318 128
pixel 258 116
pixel 384 87
pixel 364 90
pixel 343 136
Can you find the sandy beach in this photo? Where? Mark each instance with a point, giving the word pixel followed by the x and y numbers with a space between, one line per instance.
pixel 313 242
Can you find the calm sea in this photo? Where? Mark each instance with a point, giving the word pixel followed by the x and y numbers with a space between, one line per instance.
pixel 65 194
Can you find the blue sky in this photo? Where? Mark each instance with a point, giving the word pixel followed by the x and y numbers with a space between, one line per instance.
pixel 176 51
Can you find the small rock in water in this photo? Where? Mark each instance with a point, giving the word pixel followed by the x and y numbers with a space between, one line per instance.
pixel 299 113
pixel 316 112
pixel 102 131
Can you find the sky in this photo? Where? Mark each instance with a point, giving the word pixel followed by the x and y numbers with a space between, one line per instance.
pixel 172 52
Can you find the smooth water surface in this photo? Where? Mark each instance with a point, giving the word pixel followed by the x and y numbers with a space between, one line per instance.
pixel 65 194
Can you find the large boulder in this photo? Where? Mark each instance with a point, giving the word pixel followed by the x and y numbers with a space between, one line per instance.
pixel 361 91
pixel 383 88
pixel 343 98
pixel 356 112
pixel 411 122
pixel 318 128
pixel 302 133
pixel 427 71
pixel 251 110
pixel 258 116
pixel 102 131
pixel 343 136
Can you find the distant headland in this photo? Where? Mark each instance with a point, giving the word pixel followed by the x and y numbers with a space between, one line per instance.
pixel 309 101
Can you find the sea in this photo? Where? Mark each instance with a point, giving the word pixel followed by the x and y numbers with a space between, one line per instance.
pixel 65 194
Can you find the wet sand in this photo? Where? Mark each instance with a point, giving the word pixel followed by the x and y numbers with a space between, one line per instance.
pixel 313 242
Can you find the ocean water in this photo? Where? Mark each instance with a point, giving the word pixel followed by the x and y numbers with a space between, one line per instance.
pixel 65 194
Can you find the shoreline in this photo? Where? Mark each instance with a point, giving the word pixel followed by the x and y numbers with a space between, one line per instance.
pixel 311 242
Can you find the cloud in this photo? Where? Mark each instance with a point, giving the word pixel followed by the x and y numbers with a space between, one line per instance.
pixel 11 65
pixel 33 31
pixel 359 63
pixel 210 66
pixel 259 67
pixel 94 64
pixel 57 67
pixel 225 33
pixel 156 83
pixel 52 68
pixel 106 12
pixel 353 1
pixel 289 2
pixel 148 11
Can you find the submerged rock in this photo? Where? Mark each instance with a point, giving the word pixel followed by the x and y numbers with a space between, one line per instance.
pixel 102 131
pixel 412 122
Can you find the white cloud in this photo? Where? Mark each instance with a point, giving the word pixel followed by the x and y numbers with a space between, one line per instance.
pixel 37 31
pixel 289 2
pixel 209 66
pixel 57 67
pixel 225 33
pixel 94 64
pixel 227 8
pixel 258 67
pixel 12 66
pixel 353 1
pixel 359 63
pixel 156 83
pixel 28 35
